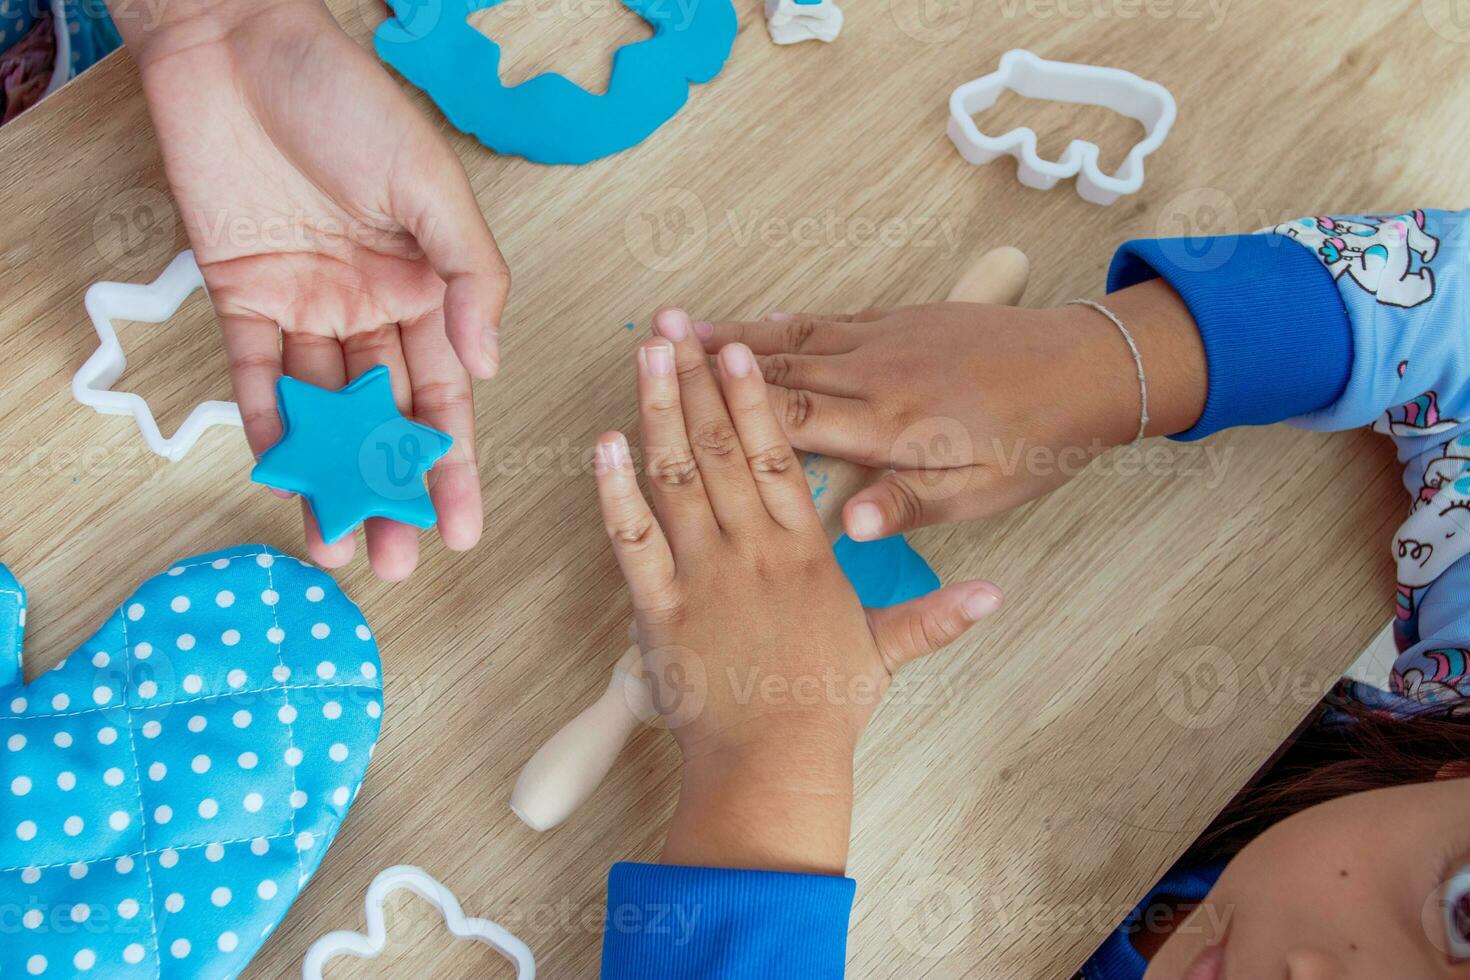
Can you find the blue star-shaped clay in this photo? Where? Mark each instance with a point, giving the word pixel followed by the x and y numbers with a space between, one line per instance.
pixel 351 454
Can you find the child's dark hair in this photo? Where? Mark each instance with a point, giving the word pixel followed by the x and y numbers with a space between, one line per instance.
pixel 1360 750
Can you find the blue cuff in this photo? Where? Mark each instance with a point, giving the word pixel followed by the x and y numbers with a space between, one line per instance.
pixel 1277 338
pixel 665 921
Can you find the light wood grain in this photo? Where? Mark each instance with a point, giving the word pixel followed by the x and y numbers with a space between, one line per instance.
pixel 1022 789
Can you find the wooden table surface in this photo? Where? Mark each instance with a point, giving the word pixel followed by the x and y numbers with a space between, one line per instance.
pixel 1172 616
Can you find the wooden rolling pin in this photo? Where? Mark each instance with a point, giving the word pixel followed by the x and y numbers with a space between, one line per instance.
pixel 569 767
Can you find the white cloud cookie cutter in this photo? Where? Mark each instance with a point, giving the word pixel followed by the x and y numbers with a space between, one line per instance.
pixel 1058 81
pixel 794 21
pixel 405 877
pixel 152 302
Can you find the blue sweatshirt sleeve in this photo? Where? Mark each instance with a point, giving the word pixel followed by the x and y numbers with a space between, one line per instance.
pixel 666 922
pixel 1276 334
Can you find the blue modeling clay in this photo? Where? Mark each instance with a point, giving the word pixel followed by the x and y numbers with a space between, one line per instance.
pixel 885 572
pixel 549 119
pixel 351 454
pixel 169 788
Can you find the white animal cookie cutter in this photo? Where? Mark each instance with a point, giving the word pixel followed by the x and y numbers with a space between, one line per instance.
pixel 154 302
pixel 793 21
pixel 405 877
pixel 1036 78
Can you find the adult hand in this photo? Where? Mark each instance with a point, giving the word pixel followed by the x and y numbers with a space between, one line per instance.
pixel 974 408
pixel 335 228
pixel 765 664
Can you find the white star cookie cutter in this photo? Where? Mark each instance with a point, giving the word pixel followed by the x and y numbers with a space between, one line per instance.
pixel 154 302
pixel 405 877
pixel 793 21
pixel 1036 78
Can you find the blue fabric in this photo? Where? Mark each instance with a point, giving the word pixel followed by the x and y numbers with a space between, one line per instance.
pixel 666 921
pixel 1276 333
pixel 168 789
pixel 90 31
pixel 17 17
pixel 1116 958
pixel 93 34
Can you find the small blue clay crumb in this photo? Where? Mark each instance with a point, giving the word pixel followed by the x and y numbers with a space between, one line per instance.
pixel 815 471
pixel 627 326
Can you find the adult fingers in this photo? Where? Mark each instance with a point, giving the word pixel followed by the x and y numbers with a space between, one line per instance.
pixel 393 548
pixel 367 349
pixel 313 358
pixel 722 467
pixel 333 555
pixel 678 488
pixel 443 398
pixel 317 360
pixel 919 627
pixel 253 348
pixel 773 465
pixel 637 540
pixel 438 207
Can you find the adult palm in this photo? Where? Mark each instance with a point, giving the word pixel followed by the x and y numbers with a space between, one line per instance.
pixel 335 228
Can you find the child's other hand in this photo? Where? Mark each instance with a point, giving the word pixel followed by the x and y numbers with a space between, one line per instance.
pixel 328 215
pixel 761 659
pixel 975 408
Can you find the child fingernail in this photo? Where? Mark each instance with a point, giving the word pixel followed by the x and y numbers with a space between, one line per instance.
pixel 673 324
pixel 612 454
pixel 703 329
pixel 777 315
pixel 658 359
pixel 985 600
pixel 865 522
pixel 737 360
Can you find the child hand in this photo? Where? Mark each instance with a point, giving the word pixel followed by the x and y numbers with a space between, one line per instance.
pixel 760 658
pixel 335 229
pixel 975 408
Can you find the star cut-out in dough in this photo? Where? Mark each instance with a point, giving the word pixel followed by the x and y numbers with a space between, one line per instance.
pixel 351 454
pixel 152 302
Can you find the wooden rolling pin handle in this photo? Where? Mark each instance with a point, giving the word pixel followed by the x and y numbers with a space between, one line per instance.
pixel 574 761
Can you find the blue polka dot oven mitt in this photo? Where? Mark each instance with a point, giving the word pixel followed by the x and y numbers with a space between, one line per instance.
pixel 168 789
